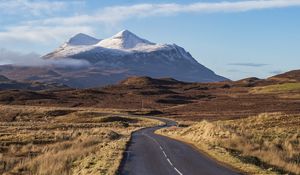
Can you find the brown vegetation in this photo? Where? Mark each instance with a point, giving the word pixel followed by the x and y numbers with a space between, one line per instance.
pixel 268 143
pixel 48 140
pixel 176 99
pixel 76 126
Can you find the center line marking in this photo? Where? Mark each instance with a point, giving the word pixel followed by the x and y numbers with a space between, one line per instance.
pixel 177 171
pixel 170 162
pixel 163 153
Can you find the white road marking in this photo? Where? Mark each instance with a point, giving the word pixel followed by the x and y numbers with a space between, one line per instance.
pixel 177 171
pixel 163 153
pixel 170 162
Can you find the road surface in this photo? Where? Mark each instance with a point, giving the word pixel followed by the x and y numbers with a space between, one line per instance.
pixel 152 154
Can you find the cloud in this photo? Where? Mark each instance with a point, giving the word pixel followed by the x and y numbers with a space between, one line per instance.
pixel 67 62
pixel 13 57
pixel 233 70
pixel 35 8
pixel 41 34
pixel 248 64
pixel 115 14
pixel 276 72
pixel 42 29
pixel 8 57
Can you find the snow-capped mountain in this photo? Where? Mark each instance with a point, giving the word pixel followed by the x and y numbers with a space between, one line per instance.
pixel 123 43
pixel 125 54
pixel 113 59
pixel 125 40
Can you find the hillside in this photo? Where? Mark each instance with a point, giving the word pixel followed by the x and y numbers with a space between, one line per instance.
pixel 292 76
pixel 145 81
pixel 172 98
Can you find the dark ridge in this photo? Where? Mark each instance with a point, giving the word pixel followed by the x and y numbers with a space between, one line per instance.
pixel 291 76
pixel 142 81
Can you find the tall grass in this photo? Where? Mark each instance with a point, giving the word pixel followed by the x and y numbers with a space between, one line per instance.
pixel 268 141
pixel 63 141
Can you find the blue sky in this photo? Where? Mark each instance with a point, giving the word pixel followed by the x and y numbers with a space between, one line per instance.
pixel 236 39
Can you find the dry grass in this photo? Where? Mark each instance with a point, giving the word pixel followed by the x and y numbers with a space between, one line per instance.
pixel 264 144
pixel 277 88
pixel 63 141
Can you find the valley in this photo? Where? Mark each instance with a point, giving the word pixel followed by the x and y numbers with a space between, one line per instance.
pixel 250 125
pixel 149 87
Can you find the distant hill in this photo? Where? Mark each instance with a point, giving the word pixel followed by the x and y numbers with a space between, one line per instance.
pixel 169 97
pixel 291 76
pixel 144 81
pixel 7 84
pixel 287 77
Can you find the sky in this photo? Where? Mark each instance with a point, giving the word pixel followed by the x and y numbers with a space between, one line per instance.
pixel 234 38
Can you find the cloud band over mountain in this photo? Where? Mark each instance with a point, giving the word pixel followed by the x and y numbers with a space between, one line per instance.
pixel 8 57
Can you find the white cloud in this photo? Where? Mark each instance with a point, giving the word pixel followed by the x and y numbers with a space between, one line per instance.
pixel 41 34
pixel 119 13
pixel 8 57
pixel 16 7
pixel 13 57
pixel 55 28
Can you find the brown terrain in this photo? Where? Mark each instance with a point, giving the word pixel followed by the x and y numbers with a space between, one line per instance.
pixel 172 98
pixel 250 124
pixel 63 141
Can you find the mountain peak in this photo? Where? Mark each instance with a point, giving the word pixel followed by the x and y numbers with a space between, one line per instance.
pixel 124 33
pixel 124 40
pixel 82 39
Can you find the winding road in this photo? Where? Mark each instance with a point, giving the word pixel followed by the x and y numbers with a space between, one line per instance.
pixel 152 154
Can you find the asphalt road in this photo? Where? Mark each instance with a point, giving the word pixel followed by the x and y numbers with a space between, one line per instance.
pixel 152 154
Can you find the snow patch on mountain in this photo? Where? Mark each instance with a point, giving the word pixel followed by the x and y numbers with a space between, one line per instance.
pixel 123 43
pixel 124 40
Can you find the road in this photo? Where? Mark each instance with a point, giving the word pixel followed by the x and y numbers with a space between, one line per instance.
pixel 152 154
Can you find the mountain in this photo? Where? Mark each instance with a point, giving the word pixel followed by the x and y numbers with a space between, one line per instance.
pixel 107 61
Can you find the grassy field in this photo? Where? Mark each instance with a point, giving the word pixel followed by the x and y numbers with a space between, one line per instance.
pixel 265 144
pixel 284 91
pixel 63 141
pixel 278 88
